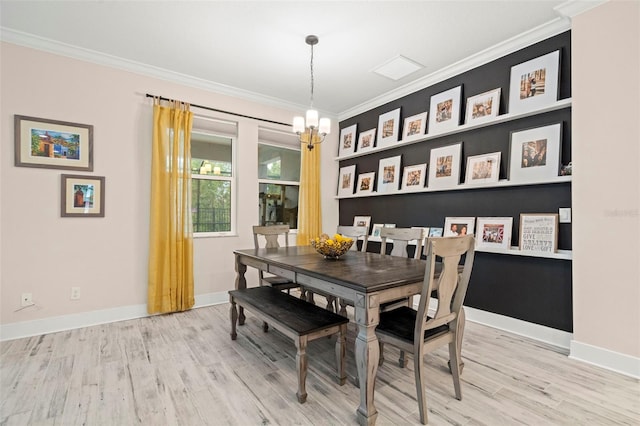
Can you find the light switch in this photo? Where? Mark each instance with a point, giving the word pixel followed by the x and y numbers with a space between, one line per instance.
pixel 564 215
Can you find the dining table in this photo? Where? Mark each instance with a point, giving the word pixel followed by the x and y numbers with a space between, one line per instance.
pixel 365 279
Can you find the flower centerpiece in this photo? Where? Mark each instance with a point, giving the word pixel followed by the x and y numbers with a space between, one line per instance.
pixel 331 248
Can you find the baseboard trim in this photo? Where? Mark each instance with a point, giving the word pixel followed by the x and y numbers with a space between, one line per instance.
pixel 41 326
pixel 604 358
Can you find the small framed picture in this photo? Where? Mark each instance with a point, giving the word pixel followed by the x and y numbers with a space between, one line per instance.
pixel 375 231
pixel 362 221
pixel 347 140
pixel 389 174
pixel 494 233
pixel 454 226
pixel 539 233
pixel 82 196
pixel 444 167
pixel 53 144
pixel 534 84
pixel 413 177
pixel 365 183
pixel 346 180
pixel 366 140
pixel 388 128
pixel 414 127
pixel 444 110
pixel 435 232
pixel 535 154
pixel 483 168
pixel 483 107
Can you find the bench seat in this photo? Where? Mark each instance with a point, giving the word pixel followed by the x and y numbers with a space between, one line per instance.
pixel 296 319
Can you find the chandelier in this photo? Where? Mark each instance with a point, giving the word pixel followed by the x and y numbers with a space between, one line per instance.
pixel 312 129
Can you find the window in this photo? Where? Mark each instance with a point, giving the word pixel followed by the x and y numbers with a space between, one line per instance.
pixel 212 182
pixel 278 178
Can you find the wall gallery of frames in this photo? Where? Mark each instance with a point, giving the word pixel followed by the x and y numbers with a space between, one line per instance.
pixel 487 149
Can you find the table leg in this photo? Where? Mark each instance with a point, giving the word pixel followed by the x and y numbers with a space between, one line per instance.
pixel 241 282
pixel 367 354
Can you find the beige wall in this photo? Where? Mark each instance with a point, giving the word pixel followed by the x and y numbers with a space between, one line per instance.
pixel 606 185
pixel 45 254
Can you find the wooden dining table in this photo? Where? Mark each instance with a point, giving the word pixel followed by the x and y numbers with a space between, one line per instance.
pixel 365 279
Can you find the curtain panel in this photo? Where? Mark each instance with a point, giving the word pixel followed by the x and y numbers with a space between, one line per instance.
pixel 170 286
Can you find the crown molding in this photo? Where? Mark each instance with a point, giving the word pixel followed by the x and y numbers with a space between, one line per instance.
pixel 537 34
pixel 40 43
pixel 573 8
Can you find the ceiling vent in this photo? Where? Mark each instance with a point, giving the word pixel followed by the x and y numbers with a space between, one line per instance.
pixel 397 68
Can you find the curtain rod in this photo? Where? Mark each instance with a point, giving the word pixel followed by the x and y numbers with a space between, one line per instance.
pixel 222 111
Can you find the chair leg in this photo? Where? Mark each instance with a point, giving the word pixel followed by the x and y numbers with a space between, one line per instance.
pixel 301 363
pixel 330 301
pixel 402 361
pixel 454 364
pixel 341 352
pixel 343 308
pixel 418 361
pixel 381 346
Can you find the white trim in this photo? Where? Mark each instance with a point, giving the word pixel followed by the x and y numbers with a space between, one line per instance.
pixel 604 358
pixel 573 8
pixel 37 327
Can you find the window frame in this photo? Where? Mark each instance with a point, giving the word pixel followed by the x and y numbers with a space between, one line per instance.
pixel 292 147
pixel 231 179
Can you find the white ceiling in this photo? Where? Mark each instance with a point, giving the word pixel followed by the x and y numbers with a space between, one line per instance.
pixel 256 49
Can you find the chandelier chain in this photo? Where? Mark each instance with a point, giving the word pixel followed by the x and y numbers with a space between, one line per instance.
pixel 312 75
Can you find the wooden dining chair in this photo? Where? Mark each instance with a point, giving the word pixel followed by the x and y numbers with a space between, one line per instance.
pixel 355 232
pixel 271 234
pixel 401 238
pixel 415 331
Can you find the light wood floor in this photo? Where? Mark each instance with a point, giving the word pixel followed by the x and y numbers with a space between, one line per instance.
pixel 183 369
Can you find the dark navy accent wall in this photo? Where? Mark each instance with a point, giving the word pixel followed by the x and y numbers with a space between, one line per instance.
pixel 536 290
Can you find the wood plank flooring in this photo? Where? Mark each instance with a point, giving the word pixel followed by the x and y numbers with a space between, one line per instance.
pixel 183 369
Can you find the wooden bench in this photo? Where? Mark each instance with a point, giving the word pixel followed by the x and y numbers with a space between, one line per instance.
pixel 295 318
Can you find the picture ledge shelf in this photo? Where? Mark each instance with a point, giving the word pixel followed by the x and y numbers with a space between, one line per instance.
pixel 563 103
pixel 513 251
pixel 500 184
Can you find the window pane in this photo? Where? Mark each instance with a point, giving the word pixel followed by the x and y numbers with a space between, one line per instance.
pixel 278 163
pixel 279 204
pixel 210 154
pixel 211 205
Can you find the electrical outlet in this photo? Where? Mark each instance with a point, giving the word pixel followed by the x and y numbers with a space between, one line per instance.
pixel 75 293
pixel 27 299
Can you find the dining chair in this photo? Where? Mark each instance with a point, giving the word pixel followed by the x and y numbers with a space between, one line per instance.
pixel 355 232
pixel 401 238
pixel 415 331
pixel 271 234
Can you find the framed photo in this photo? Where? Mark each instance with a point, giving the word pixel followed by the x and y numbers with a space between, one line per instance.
pixel 483 107
pixel 346 180
pixel 414 127
pixel 82 196
pixel 483 168
pixel 347 140
pixel 388 128
pixel 413 177
pixel 435 232
pixel 535 154
pixel 444 110
pixel 534 84
pixel 444 168
pixel 362 221
pixel 458 226
pixel 366 140
pixel 539 233
pixel 494 233
pixel 375 231
pixel 389 174
pixel 53 144
pixel 365 183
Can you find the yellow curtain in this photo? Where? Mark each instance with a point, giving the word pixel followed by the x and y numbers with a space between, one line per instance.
pixel 171 231
pixel 310 212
